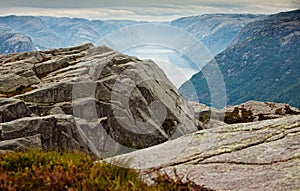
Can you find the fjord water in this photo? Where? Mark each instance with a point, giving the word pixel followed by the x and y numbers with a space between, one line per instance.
pixel 177 68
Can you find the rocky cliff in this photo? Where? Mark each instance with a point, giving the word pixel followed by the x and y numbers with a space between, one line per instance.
pixel 116 103
pixel 99 101
pixel 262 64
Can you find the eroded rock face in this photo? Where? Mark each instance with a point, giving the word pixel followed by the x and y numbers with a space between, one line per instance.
pixel 11 109
pixel 57 132
pixel 119 103
pixel 21 129
pixel 262 155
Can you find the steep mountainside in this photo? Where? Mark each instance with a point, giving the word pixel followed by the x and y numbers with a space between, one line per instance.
pixel 216 31
pixel 11 41
pixel 263 64
pixel 117 103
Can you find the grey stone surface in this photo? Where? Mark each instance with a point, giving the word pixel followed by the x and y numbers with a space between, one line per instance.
pixel 22 143
pixel 261 155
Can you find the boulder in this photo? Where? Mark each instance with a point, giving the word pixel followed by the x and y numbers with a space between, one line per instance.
pixel 119 103
pixel 262 155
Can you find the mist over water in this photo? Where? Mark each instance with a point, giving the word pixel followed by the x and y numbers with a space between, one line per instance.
pixel 177 69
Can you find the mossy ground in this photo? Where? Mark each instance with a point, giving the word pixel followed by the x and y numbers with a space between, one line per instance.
pixel 39 170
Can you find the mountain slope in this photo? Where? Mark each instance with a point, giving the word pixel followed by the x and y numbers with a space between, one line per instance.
pixel 11 41
pixel 263 65
pixel 215 31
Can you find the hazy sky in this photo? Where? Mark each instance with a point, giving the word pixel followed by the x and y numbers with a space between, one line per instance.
pixel 153 10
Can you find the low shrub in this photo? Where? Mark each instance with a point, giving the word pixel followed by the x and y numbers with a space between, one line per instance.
pixel 52 170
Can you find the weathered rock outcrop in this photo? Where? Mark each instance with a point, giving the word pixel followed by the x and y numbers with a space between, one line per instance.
pixel 262 155
pixel 257 111
pixel 119 102
pixel 209 117
pixel 11 109
pixel 58 132
pixel 21 129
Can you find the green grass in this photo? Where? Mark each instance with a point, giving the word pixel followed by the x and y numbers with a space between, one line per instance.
pixel 39 170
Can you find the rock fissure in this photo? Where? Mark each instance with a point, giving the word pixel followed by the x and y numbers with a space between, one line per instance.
pixel 251 163
pixel 279 135
pixel 199 158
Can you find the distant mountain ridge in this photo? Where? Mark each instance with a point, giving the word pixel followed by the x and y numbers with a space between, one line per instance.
pixel 52 32
pixel 215 30
pixel 12 41
pixel 262 64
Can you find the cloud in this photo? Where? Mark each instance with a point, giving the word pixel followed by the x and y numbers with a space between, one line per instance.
pixel 155 10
